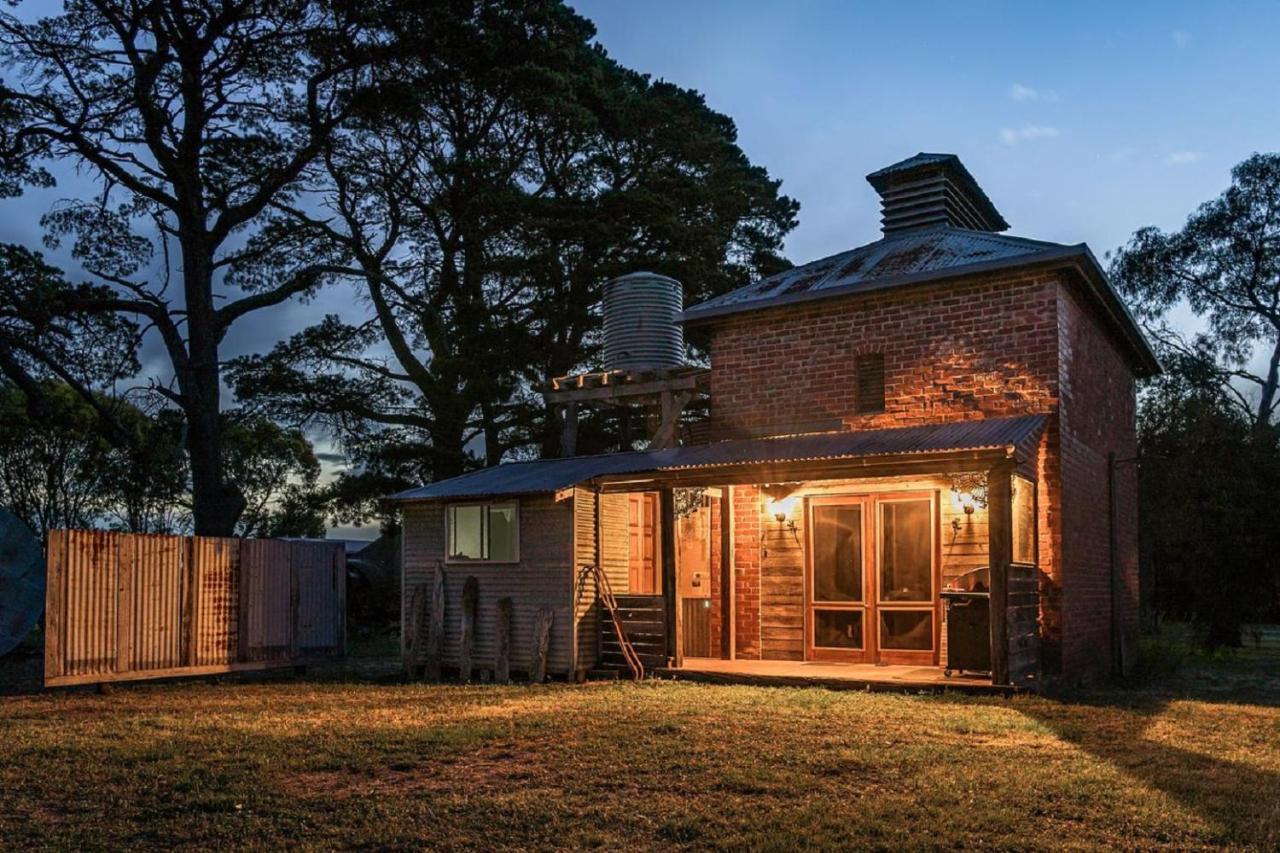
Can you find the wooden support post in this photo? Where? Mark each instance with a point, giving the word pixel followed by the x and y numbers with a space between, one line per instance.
pixel 541 645
pixel 670 587
pixel 435 633
pixel 727 576
pixel 1000 531
pixel 55 596
pixel 470 601
pixel 502 670
pixel 568 429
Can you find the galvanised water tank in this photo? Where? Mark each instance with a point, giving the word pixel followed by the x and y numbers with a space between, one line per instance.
pixel 640 327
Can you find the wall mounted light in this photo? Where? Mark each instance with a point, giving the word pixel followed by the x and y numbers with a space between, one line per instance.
pixel 968 494
pixel 781 504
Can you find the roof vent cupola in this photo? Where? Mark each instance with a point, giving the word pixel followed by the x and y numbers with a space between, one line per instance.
pixel 931 191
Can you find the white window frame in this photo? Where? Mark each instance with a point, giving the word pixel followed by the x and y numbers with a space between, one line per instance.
pixel 449 558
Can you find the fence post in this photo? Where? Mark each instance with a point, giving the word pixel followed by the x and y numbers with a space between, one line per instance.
pixel 470 600
pixel 435 635
pixel 502 669
pixel 541 645
pixel 55 601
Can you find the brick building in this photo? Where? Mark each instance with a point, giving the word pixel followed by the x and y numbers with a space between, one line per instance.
pixel 943 415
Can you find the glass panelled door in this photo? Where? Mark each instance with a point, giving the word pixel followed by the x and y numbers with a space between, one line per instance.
pixel 837 590
pixel 871 587
pixel 906 597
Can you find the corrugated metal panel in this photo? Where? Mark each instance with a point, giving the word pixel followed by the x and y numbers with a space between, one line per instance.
pixel 123 606
pixel 641 327
pixel 268 597
pixel 317 595
pixel 549 475
pixel 90 603
pixel 894 261
pixel 217 572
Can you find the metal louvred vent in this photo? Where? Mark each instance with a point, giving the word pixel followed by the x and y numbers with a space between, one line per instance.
pixel 869 374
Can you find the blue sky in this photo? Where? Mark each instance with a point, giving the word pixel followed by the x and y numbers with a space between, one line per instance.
pixel 1082 122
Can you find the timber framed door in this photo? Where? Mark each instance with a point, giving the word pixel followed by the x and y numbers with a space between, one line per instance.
pixel 871 578
pixel 838 605
pixel 906 577
pixel 644 564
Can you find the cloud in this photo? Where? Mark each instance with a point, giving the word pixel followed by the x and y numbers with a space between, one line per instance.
pixel 1182 158
pixel 1181 38
pixel 1019 92
pixel 1026 133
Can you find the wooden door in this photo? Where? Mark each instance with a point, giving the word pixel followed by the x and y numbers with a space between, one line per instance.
pixel 838 604
pixel 871 579
pixel 642 543
pixel 906 578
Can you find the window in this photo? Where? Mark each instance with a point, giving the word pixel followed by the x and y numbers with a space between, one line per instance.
pixel 869 374
pixel 1024 521
pixel 482 532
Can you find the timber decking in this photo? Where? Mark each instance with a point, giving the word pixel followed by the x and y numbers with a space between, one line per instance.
pixel 838 676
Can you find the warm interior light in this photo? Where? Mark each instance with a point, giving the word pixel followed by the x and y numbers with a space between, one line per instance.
pixel 782 507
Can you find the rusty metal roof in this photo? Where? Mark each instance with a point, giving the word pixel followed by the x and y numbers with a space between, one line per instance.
pixel 894 261
pixel 550 475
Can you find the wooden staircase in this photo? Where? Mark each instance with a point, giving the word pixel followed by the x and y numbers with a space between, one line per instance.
pixel 638 627
pixel 633 637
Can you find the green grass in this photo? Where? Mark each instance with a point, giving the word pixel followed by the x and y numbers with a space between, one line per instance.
pixel 347 760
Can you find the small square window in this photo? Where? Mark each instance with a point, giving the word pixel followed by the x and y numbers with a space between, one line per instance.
pixel 482 533
pixel 869 375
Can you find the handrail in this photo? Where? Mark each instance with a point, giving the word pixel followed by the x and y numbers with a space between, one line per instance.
pixel 605 592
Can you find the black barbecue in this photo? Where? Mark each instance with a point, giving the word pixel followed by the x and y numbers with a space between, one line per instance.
pixel 968 603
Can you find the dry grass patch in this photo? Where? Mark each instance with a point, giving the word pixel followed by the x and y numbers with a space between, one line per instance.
pixel 274 763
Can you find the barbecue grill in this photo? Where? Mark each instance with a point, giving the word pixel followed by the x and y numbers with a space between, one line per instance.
pixel 968 603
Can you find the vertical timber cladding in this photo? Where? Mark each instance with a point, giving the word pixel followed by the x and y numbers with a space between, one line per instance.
pixel 780 557
pixel 545 576
pixel 586 597
pixel 130 606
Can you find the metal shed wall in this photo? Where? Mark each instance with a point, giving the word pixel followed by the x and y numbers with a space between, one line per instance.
pixel 123 606
pixel 543 577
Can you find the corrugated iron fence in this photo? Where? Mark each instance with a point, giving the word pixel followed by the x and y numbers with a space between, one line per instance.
pixel 123 606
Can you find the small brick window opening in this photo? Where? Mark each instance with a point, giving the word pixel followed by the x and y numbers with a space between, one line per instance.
pixel 869 374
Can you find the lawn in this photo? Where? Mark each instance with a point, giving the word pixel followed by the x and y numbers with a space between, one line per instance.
pixel 352 758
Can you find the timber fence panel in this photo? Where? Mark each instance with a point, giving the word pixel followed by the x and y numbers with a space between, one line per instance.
pixel 123 606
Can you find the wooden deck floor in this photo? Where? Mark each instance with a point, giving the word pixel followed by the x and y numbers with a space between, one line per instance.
pixel 846 676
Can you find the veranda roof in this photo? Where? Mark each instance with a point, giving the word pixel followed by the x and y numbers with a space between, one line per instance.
pixel 1017 435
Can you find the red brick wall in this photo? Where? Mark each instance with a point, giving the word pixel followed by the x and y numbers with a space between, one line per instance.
pixel 1098 412
pixel 988 348
pixel 746 564
pixel 716 572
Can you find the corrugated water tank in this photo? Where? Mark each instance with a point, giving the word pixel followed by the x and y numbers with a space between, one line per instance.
pixel 641 331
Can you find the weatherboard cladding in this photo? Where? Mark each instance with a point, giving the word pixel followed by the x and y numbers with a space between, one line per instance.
pixel 549 475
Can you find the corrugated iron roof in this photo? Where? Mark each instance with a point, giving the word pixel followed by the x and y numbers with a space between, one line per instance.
pixel 550 475
pixel 896 260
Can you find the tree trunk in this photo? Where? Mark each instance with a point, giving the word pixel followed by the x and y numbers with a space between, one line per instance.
pixel 1267 400
pixel 216 505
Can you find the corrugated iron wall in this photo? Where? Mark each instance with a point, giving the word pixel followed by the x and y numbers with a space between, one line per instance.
pixel 123 606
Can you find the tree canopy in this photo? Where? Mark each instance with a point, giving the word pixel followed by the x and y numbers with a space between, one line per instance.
pixel 191 120
pixel 477 214
pixel 1224 264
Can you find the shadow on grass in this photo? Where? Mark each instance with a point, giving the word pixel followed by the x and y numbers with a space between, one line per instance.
pixel 1238 799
